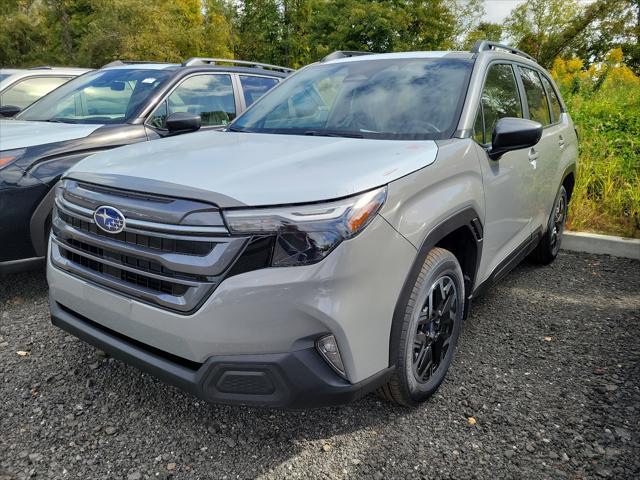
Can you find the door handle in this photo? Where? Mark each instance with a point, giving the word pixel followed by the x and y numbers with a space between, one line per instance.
pixel 560 142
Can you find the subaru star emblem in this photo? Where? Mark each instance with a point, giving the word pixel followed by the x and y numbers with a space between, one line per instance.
pixel 109 219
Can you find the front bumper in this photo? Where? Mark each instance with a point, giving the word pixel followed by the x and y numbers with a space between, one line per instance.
pixel 297 379
pixel 352 294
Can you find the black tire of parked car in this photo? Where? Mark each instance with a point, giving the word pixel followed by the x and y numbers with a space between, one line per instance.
pixel 549 246
pixel 431 326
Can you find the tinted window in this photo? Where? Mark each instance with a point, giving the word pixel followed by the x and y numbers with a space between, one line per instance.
pixel 104 96
pixel 556 109
pixel 210 96
pixel 254 87
pixel 536 97
pixel 414 98
pixel 25 92
pixel 500 98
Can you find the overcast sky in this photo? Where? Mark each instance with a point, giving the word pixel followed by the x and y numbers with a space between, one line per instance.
pixel 497 10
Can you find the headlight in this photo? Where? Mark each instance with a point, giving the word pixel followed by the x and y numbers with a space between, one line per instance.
pixel 306 234
pixel 9 156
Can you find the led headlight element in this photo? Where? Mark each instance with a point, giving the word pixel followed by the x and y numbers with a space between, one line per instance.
pixel 306 234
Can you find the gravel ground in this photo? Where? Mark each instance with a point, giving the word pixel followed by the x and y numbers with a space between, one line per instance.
pixel 545 384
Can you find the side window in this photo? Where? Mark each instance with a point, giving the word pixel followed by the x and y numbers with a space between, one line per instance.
pixel 478 127
pixel 500 98
pixel 254 87
pixel 25 92
pixel 536 97
pixel 556 109
pixel 210 96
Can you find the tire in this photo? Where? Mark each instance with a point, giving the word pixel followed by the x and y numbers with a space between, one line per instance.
pixel 418 373
pixel 549 246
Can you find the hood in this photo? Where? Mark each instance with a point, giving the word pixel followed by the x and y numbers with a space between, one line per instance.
pixel 21 134
pixel 259 169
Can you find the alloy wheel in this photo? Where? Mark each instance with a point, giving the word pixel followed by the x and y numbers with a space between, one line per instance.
pixel 434 328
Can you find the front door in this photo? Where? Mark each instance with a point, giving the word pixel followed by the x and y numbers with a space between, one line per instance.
pixel 509 182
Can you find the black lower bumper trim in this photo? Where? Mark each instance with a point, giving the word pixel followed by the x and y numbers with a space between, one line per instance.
pixel 298 379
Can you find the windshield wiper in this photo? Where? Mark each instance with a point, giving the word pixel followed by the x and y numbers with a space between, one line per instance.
pixel 332 133
pixel 60 120
pixel 237 129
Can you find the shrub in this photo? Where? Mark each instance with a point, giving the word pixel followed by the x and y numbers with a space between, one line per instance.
pixel 604 102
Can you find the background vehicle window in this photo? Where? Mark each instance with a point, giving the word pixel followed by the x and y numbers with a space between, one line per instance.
pixel 254 87
pixel 25 92
pixel 210 96
pixel 500 98
pixel 556 109
pixel 536 97
pixel 104 96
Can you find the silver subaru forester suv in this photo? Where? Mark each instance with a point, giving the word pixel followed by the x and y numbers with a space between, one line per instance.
pixel 328 244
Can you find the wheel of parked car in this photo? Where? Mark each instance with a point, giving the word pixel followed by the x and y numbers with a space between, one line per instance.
pixel 549 246
pixel 427 336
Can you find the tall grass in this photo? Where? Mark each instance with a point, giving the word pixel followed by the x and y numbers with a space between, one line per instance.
pixel 605 106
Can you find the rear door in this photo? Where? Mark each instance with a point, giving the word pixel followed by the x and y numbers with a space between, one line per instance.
pixel 254 86
pixel 546 152
pixel 508 181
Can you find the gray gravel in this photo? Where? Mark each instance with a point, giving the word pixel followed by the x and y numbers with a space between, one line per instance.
pixel 547 366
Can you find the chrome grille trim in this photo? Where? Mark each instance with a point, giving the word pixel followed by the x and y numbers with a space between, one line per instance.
pixel 169 266
pixel 139 226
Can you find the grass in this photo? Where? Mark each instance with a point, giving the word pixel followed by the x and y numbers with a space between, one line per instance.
pixel 606 196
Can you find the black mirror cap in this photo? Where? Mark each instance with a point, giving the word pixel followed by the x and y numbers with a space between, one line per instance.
pixel 513 134
pixel 9 110
pixel 183 122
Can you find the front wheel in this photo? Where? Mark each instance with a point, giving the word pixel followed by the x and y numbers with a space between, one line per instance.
pixel 549 246
pixel 429 332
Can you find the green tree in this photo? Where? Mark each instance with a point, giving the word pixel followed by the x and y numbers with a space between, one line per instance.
pixel 484 31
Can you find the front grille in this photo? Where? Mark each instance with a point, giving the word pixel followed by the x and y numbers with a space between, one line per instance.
pixel 160 286
pixel 187 247
pixel 171 266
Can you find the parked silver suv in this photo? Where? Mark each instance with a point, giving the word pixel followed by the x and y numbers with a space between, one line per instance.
pixel 330 242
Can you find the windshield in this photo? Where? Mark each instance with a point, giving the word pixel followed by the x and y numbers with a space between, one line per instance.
pixel 4 75
pixel 400 99
pixel 103 96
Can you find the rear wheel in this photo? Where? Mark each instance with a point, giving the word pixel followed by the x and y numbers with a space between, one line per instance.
pixel 549 246
pixel 429 331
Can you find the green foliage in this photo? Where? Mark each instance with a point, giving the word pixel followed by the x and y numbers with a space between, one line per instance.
pixel 484 31
pixel 604 103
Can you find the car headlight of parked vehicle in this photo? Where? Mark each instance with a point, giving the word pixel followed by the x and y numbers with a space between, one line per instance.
pixel 10 156
pixel 305 234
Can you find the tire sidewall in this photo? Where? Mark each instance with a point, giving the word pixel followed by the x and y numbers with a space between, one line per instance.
pixel 418 392
pixel 554 249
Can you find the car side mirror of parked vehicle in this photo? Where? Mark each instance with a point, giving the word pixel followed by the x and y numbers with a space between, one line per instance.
pixel 183 122
pixel 9 110
pixel 513 134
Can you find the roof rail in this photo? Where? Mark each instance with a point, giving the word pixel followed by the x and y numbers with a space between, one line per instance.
pixel 485 45
pixel 344 54
pixel 43 67
pixel 118 63
pixel 215 61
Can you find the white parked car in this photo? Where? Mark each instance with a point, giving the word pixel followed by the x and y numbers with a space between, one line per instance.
pixel 19 88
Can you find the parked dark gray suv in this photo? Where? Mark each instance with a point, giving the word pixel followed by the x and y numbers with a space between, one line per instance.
pixel 122 103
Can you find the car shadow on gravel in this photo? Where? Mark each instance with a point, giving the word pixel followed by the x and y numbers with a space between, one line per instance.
pixel 544 385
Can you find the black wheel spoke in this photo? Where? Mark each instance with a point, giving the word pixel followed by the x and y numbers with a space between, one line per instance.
pixel 434 327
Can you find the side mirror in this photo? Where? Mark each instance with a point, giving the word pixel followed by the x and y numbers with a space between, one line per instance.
pixel 513 134
pixel 9 110
pixel 183 122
